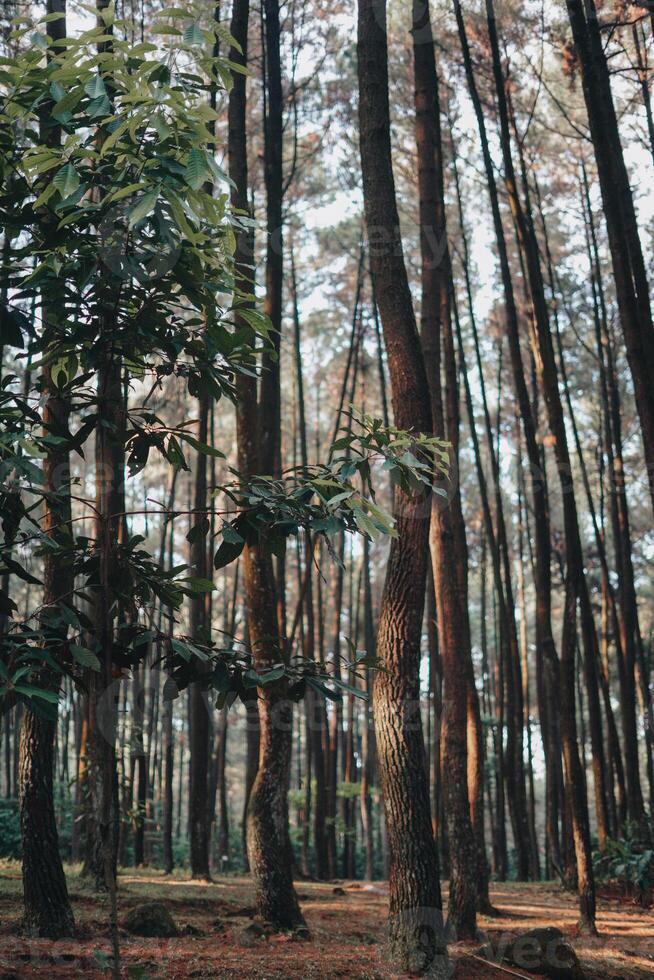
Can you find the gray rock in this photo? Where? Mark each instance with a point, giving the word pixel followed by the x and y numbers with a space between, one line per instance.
pixel 546 952
pixel 252 934
pixel 151 920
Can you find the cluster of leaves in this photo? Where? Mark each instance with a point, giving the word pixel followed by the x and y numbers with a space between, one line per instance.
pixel 327 499
pixel 628 861
pixel 121 240
pixel 120 210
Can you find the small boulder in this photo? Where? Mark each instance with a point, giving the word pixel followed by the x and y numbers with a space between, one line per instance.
pixel 152 920
pixel 546 952
pixel 252 934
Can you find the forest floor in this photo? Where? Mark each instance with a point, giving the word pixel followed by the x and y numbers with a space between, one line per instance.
pixel 347 933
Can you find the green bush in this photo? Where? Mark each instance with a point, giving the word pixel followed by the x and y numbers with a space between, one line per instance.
pixel 628 862
pixel 10 843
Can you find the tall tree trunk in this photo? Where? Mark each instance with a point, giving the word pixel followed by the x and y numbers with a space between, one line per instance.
pixel 447 537
pixel 629 270
pixel 267 823
pixel 575 778
pixel 545 647
pixel 138 762
pixel 199 710
pixel 315 705
pixel 415 923
pixel 367 731
pixel 547 376
pixel 48 912
pixel 251 765
pixel 627 630
pixel 527 854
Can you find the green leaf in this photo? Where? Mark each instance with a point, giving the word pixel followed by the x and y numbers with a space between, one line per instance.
pixel 84 657
pixel 30 691
pixel 198 531
pixel 196 169
pixel 45 196
pixel 193 34
pixel 66 180
pixel 95 87
pixel 323 690
pixel 200 585
pixel 12 324
pixel 362 695
pixel 143 207
pixel 67 102
pixel 98 108
pixel 7 605
pixel 227 553
pixel 251 678
pixel 273 675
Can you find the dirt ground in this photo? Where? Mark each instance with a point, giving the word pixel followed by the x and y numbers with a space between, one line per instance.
pixel 347 933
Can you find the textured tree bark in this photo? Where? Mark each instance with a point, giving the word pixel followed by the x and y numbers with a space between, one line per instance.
pixel 222 841
pixel 267 821
pixel 527 852
pixel 546 650
pixel 367 731
pixel 628 637
pixel 547 376
pixel 316 713
pixel 574 773
pixel 415 923
pixel 270 395
pixel 632 288
pixel 447 534
pixel 335 721
pixel 199 705
pixel 48 912
pixel 168 762
pixel 138 762
pixel 251 765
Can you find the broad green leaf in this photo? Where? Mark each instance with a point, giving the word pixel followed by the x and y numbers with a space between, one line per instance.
pixel 67 102
pixel 30 691
pixel 66 180
pixel 227 553
pixel 200 585
pixel 84 657
pixel 143 207
pixel 193 34
pixel 95 87
pixel 196 169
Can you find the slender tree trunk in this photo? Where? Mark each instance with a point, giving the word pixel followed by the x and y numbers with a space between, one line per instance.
pixel 447 538
pixel 138 762
pixel 574 772
pixel 546 651
pixel 547 376
pixel 628 637
pixel 48 912
pixel 199 710
pixel 416 940
pixel 629 270
pixel 367 731
pixel 315 705
pixel 267 823
pixel 251 765
pixel 527 854
pixel 644 72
